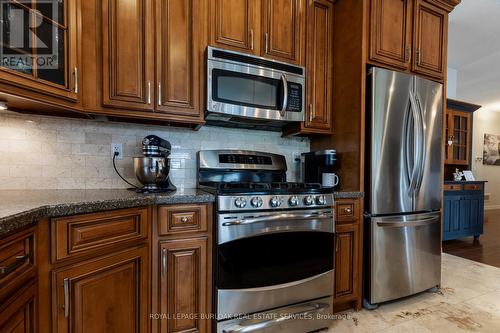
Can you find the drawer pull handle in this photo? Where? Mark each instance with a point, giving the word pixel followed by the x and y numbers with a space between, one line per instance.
pixel 66 297
pixel 184 219
pixel 347 210
pixel 163 261
pixel 12 267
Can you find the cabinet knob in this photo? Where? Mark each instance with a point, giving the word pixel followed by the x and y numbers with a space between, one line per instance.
pixel 347 210
pixel 184 219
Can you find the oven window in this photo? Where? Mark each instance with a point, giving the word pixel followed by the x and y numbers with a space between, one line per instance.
pixel 273 259
pixel 246 90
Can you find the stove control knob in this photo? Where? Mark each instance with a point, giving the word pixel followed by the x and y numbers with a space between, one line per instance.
pixel 275 202
pixel 320 200
pixel 309 200
pixel 293 201
pixel 240 202
pixel 256 202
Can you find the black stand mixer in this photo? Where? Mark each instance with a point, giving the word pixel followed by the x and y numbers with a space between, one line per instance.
pixel 152 169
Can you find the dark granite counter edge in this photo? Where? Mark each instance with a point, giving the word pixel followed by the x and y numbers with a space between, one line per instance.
pixel 464 181
pixel 30 217
pixel 348 195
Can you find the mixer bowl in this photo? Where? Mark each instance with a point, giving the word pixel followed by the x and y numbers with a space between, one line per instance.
pixel 151 171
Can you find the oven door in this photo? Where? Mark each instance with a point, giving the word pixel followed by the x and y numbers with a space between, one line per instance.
pixel 241 90
pixel 268 260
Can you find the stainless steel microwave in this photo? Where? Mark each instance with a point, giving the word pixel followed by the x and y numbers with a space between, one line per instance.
pixel 247 90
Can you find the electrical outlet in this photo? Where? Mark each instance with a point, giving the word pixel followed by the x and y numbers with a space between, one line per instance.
pixel 296 157
pixel 117 148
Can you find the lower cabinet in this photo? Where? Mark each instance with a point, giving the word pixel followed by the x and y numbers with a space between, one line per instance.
pixel 109 294
pixel 348 251
pixel 463 211
pixel 18 313
pixel 346 259
pixel 183 285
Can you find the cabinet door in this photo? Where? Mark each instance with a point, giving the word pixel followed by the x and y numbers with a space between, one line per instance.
pixel 451 215
pixel 106 295
pixel 319 65
pixel 346 262
pixel 127 51
pixel 18 314
pixel 235 24
pixel 430 39
pixel 39 52
pixel 183 285
pixel 181 45
pixel 460 127
pixel 390 32
pixel 282 28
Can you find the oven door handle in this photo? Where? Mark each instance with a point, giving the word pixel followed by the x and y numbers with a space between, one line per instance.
pixel 290 216
pixel 314 308
pixel 285 95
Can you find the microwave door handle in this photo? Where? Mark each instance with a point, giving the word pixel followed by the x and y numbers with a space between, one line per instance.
pixel 285 95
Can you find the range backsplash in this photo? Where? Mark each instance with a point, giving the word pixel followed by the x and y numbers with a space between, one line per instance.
pixel 59 153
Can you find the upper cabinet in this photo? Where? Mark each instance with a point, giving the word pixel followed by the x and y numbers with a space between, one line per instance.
pixel 239 30
pixel 410 35
pixel 40 50
pixel 268 28
pixel 430 39
pixel 127 54
pixel 390 39
pixel 152 55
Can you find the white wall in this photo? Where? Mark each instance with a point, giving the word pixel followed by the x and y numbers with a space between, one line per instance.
pixel 486 122
pixel 451 83
pixel 59 153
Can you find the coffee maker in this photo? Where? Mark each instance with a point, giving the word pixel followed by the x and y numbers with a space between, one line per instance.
pixel 152 169
pixel 319 167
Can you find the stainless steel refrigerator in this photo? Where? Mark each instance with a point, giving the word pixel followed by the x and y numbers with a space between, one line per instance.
pixel 403 212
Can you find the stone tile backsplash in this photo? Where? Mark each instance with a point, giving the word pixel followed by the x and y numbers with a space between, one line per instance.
pixel 39 152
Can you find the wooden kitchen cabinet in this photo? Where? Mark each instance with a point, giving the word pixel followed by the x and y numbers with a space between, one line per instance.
pixel 183 285
pixel 267 28
pixel 414 39
pixel 53 76
pixel 108 294
pixel 282 29
pixel 391 32
pixel 180 45
pixel 458 131
pixel 430 39
pixel 127 54
pixel 348 254
pixel 239 31
pixel 18 313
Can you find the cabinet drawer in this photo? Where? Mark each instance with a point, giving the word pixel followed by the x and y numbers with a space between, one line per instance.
pixel 346 210
pixel 16 261
pixel 452 187
pixel 473 187
pixel 83 234
pixel 179 219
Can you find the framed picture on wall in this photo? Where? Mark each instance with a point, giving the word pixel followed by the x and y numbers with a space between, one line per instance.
pixel 491 151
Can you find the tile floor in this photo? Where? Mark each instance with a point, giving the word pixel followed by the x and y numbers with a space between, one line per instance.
pixel 468 301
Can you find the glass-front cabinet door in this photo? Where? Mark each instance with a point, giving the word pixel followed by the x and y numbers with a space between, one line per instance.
pixel 458 127
pixel 39 46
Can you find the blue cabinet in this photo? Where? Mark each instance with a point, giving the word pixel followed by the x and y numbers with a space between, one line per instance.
pixel 463 210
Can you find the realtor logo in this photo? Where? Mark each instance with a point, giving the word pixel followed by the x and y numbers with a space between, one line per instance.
pixel 29 34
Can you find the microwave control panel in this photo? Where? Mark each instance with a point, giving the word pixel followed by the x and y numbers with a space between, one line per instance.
pixel 294 97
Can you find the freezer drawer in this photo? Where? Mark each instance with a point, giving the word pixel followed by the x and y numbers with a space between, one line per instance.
pixel 405 255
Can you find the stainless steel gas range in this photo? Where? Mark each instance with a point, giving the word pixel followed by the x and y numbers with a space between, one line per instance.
pixel 273 259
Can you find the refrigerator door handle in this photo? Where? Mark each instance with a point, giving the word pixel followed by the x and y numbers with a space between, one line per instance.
pixel 422 157
pixel 416 144
pixel 407 147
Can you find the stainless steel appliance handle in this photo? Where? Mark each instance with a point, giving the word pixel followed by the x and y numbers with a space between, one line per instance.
pixel 4 270
pixel 403 224
pixel 407 146
pixel 422 151
pixel 414 176
pixel 66 297
pixel 280 216
pixel 315 308
pixel 285 95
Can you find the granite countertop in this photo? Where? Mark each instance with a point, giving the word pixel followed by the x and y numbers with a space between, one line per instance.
pixel 464 181
pixel 20 208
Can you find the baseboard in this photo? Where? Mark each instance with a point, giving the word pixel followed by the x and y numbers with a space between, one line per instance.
pixel 491 207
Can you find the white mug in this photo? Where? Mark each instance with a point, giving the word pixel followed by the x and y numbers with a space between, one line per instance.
pixel 329 179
